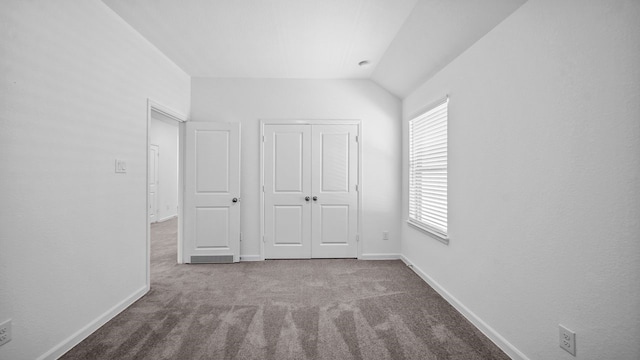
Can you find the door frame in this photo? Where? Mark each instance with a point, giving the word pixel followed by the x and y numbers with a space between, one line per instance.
pixel 153 105
pixel 356 122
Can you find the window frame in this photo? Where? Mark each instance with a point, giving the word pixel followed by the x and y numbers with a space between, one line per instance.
pixel 416 216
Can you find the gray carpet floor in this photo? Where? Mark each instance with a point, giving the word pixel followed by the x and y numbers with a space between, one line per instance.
pixel 284 309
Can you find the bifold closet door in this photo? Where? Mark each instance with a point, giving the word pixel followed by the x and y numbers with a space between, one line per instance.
pixel 310 191
pixel 287 191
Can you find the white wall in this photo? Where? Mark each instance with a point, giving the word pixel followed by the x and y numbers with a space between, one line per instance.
pixel 248 101
pixel 75 82
pixel 164 133
pixel 544 204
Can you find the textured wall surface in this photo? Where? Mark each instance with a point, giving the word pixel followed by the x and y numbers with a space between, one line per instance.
pixel 74 88
pixel 544 204
pixel 248 101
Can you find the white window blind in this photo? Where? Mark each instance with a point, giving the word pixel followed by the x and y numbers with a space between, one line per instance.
pixel 428 170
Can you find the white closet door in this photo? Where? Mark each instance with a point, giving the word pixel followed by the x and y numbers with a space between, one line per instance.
pixel 212 192
pixel 287 189
pixel 334 189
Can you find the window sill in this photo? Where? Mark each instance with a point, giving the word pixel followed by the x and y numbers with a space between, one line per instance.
pixel 433 233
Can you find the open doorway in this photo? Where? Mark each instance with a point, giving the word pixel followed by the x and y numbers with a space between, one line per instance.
pixel 164 179
pixel 163 168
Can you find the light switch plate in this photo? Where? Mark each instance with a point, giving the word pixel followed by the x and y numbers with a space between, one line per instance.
pixel 121 166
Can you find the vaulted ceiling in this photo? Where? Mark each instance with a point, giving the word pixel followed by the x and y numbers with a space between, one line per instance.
pixel 404 41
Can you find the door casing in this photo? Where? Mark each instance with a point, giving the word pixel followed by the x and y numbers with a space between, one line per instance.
pixel 264 122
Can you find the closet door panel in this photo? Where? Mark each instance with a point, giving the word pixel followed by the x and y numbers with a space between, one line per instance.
pixel 334 188
pixel 287 183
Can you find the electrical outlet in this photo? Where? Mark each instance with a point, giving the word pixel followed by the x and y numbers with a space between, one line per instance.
pixel 568 340
pixel 5 332
pixel 385 235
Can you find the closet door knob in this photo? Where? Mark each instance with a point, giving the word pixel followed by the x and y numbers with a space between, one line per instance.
pixel 315 198
pixel 306 198
pixel 235 200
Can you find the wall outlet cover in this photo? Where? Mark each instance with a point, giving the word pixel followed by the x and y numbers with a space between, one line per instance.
pixel 5 332
pixel 568 340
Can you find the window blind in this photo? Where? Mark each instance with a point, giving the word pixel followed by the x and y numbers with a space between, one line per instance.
pixel 428 170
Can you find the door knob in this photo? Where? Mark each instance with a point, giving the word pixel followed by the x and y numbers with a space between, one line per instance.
pixel 306 198
pixel 235 200
pixel 315 198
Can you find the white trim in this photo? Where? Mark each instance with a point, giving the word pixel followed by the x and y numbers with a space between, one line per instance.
pixel 182 151
pixel 430 231
pixel 309 122
pixel 263 122
pixel 168 218
pixel 487 330
pixel 379 257
pixel 167 111
pixel 360 244
pixel 423 110
pixel 261 188
pixel 73 340
pixel 251 258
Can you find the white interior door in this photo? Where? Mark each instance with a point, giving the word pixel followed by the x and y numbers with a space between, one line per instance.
pixel 212 193
pixel 310 177
pixel 334 188
pixel 287 191
pixel 154 161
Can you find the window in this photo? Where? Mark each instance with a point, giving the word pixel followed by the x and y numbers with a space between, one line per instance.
pixel 428 170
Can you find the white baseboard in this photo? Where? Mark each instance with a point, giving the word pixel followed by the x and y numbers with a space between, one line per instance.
pixel 168 218
pixel 487 330
pixel 362 257
pixel 379 257
pixel 73 340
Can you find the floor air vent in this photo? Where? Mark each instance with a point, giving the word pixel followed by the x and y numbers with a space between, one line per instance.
pixel 217 259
